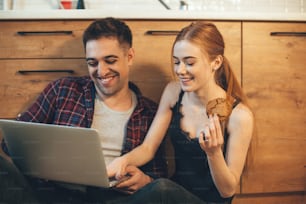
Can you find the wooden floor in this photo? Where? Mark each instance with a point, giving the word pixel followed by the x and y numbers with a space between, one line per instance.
pixel 271 198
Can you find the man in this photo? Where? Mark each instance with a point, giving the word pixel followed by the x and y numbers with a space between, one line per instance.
pixel 106 101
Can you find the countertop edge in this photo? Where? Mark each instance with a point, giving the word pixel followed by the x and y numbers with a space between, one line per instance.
pixel 157 15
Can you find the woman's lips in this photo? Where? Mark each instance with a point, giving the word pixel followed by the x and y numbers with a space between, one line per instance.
pixel 185 80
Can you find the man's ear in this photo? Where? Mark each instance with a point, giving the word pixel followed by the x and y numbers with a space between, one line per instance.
pixel 131 55
pixel 217 62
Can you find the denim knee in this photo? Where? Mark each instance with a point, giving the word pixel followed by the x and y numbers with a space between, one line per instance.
pixel 164 185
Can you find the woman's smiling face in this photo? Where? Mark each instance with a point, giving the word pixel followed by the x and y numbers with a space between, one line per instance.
pixel 192 66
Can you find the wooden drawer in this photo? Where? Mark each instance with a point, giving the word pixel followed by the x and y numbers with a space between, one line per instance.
pixel 41 39
pixel 18 90
pixel 274 79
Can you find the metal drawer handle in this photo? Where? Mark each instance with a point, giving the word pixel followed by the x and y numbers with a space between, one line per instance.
pixel 23 33
pixel 162 32
pixel 297 34
pixel 70 71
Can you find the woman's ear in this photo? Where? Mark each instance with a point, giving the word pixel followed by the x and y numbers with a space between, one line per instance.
pixel 217 62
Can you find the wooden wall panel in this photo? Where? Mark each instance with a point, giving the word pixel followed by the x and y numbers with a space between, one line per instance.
pixel 274 77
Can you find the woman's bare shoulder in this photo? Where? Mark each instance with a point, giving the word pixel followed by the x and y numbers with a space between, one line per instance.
pixel 171 93
pixel 241 117
pixel 242 111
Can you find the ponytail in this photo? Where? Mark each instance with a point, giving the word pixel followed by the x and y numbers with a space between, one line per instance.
pixel 226 78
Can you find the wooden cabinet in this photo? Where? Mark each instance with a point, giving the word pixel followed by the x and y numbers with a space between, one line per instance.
pixel 274 75
pixel 41 39
pixel 21 80
pixel 57 45
pixel 33 53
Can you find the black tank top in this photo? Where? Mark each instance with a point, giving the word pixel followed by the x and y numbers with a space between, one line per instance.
pixel 192 170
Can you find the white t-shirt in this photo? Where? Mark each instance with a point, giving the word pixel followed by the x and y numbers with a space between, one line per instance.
pixel 111 126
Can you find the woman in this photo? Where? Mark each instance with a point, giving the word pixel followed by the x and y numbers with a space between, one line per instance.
pixel 208 119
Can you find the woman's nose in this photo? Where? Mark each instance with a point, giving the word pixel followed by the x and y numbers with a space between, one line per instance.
pixel 181 69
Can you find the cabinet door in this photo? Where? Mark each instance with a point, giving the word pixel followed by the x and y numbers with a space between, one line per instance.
pixel 274 75
pixel 153 42
pixel 34 53
pixel 22 80
pixel 41 39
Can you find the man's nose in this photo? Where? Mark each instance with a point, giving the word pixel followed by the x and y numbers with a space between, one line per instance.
pixel 102 69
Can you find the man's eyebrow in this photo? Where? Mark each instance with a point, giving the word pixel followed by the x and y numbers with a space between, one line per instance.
pixel 110 56
pixel 90 58
pixel 105 58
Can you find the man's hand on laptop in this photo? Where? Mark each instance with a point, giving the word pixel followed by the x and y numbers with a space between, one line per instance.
pixel 135 180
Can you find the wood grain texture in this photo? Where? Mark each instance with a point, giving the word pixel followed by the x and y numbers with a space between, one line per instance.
pixel 274 76
pixel 18 91
pixel 15 46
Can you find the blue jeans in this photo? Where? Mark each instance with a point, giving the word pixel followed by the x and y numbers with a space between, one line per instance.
pixel 162 191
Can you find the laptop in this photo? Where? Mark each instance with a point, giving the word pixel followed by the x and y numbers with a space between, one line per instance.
pixel 59 153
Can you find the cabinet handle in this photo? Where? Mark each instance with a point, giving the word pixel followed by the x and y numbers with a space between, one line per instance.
pixel 162 32
pixel 23 33
pixel 70 71
pixel 297 34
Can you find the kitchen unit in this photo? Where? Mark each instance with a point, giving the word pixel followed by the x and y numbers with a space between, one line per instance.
pixel 267 53
pixel 274 79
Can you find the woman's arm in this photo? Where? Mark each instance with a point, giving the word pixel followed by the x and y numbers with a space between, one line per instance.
pixel 146 151
pixel 226 172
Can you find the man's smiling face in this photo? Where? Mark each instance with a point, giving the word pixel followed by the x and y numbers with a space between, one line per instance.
pixel 108 65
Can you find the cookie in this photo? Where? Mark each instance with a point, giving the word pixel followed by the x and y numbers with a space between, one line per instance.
pixel 221 106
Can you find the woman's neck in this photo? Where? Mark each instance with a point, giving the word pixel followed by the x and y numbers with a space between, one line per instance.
pixel 203 96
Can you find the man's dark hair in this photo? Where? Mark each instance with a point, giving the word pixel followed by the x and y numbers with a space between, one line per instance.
pixel 108 28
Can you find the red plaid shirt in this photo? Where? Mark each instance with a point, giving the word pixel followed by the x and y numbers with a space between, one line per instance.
pixel 70 101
